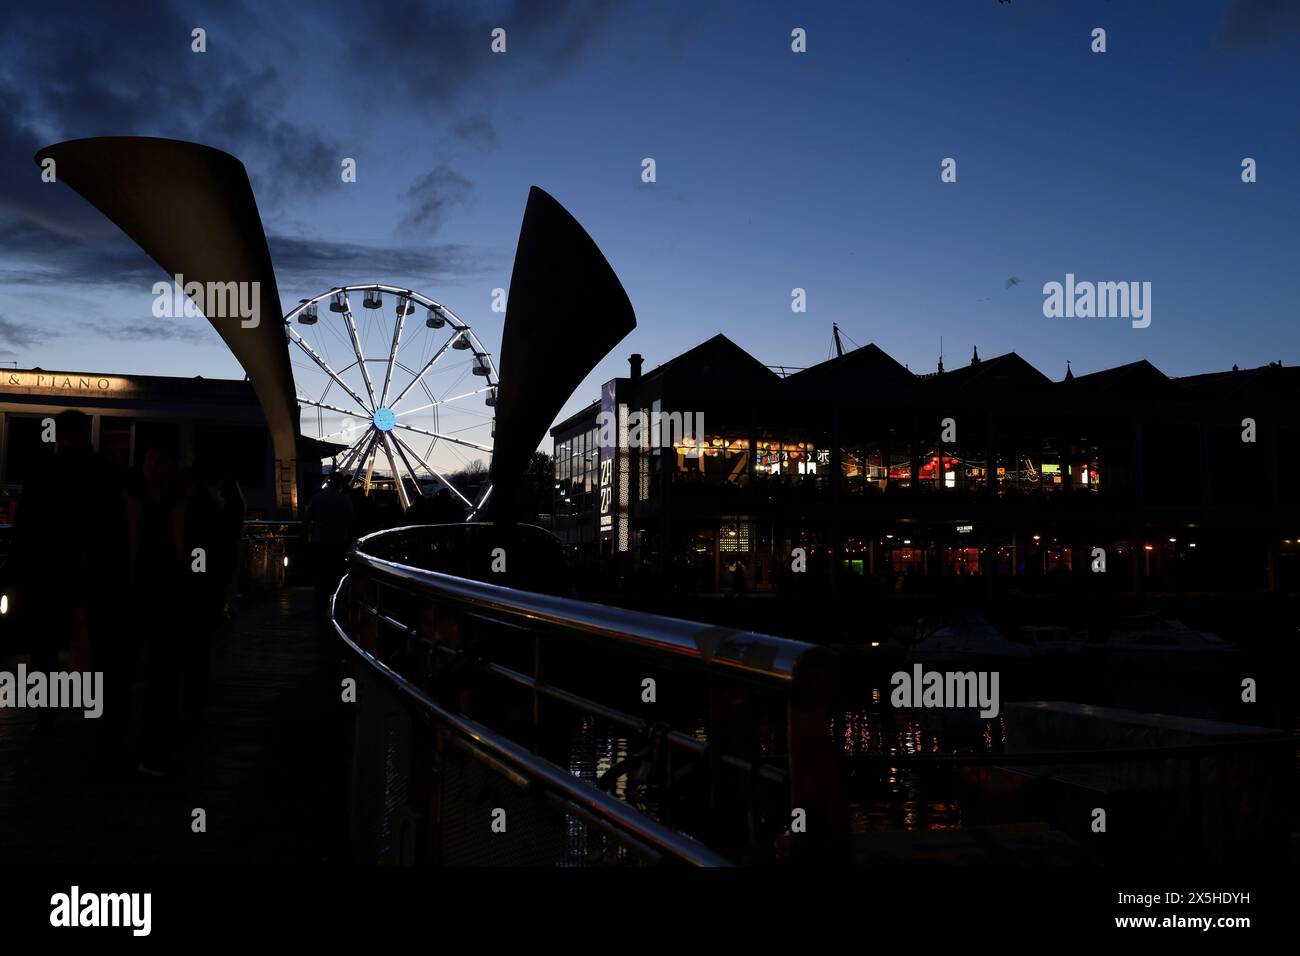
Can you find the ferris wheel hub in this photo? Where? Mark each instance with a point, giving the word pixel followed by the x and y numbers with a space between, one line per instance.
pixel 385 419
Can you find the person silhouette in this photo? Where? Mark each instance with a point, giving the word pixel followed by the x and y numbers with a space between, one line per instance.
pixel 155 521
pixel 67 547
pixel 330 521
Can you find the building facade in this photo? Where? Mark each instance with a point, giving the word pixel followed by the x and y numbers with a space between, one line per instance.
pixel 858 473
pixel 131 413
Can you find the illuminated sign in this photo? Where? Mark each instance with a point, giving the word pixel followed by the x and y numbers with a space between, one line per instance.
pixel 606 494
pixel 62 381
pixel 608 449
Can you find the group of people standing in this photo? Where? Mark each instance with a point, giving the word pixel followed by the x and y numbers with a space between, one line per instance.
pixel 128 574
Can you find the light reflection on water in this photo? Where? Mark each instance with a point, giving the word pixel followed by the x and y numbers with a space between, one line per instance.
pixel 595 748
pixel 884 797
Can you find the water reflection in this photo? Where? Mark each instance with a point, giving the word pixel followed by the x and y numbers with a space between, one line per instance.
pixel 885 797
pixel 882 796
pixel 596 748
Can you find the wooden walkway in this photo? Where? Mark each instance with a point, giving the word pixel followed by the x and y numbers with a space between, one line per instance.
pixel 268 768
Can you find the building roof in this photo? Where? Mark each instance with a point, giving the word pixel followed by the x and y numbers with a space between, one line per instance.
pixel 1007 371
pixel 1273 378
pixel 863 368
pixel 703 363
pixel 1139 376
pixel 718 366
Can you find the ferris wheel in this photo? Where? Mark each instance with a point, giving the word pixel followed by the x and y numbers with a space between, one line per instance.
pixel 410 400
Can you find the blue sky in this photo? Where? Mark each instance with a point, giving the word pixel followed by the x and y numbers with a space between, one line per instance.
pixel 775 170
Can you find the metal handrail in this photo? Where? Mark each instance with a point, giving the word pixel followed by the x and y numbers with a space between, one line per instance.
pixel 740 653
pixel 588 798
pixel 676 737
pixel 1116 755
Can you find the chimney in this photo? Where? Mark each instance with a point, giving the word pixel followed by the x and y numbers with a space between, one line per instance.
pixel 634 360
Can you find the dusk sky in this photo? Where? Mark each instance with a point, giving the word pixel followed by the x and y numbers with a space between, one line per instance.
pixel 775 170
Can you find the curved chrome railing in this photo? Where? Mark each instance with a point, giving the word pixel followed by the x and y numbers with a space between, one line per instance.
pixel 776 668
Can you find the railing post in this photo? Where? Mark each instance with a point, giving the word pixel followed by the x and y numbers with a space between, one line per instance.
pixel 816 785
pixel 732 732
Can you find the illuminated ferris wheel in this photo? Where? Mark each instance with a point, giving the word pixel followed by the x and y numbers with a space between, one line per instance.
pixel 411 398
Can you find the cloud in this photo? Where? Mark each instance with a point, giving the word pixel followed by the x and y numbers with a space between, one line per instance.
pixel 21 334
pixel 159 330
pixel 37 256
pixel 445 48
pixel 1253 24
pixel 478 131
pixel 129 70
pixel 431 195
pixel 312 265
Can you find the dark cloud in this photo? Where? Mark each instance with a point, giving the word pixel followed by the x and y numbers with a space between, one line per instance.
pixel 71 70
pixel 129 70
pixel 440 52
pixel 1252 24
pixel 478 131
pixel 284 159
pixel 21 335
pixel 310 265
pixel 158 330
pixel 432 195
pixel 37 256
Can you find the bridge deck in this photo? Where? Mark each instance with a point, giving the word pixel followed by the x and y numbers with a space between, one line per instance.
pixel 267 769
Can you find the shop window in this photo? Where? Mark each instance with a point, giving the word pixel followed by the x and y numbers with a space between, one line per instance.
pixel 733 537
pixel 907 559
pixel 964 561
pixel 900 468
pixel 715 460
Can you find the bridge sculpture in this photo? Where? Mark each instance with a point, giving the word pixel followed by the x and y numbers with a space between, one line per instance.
pixel 192 209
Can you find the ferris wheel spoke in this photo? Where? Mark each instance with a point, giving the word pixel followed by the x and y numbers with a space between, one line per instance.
pixel 371 454
pixel 398 484
pixel 437 474
pixel 325 366
pixel 356 347
pixel 450 438
pixel 358 462
pixel 345 433
pixel 402 305
pixel 355 450
pixel 334 408
pixel 445 401
pixel 428 365
pixel 475 509
pixel 401 453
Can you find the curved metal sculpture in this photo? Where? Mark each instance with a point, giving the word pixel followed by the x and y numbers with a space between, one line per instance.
pixel 560 280
pixel 191 208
